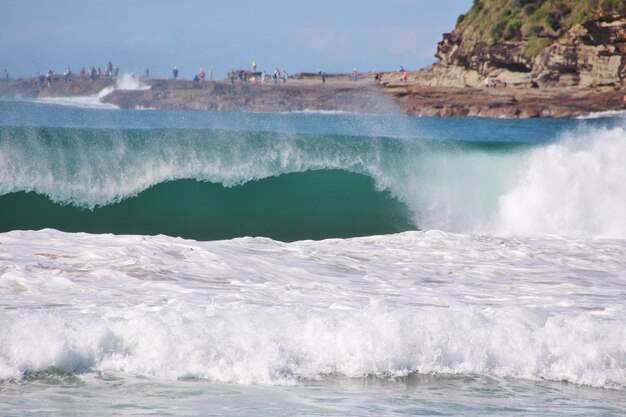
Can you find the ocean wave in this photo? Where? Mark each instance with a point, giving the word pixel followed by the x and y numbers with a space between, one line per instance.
pixel 571 186
pixel 285 345
pixel 308 205
pixel 257 311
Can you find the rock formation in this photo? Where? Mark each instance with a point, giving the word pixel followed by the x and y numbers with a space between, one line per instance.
pixel 572 51
pixel 578 43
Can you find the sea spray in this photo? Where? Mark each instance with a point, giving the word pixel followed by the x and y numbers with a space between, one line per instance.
pixel 503 179
pixel 130 82
pixel 123 82
pixel 572 187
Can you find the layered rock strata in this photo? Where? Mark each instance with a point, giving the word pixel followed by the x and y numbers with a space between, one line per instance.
pixel 588 55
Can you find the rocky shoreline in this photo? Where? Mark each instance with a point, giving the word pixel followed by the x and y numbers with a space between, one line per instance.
pixel 339 93
pixel 511 102
pixel 539 60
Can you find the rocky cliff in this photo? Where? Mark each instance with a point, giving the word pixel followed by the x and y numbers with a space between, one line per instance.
pixel 573 51
pixel 534 43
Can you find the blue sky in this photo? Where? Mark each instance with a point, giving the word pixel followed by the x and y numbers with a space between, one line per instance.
pixel 331 35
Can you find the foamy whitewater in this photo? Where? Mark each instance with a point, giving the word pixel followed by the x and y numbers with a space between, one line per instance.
pixel 487 277
pixel 124 82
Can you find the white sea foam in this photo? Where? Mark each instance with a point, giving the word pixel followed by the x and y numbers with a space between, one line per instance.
pixel 260 311
pixel 604 114
pixel 124 82
pixel 326 112
pixel 85 102
pixel 130 82
pixel 573 187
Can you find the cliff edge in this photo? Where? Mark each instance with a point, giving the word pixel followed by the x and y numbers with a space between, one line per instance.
pixel 533 43
pixel 545 58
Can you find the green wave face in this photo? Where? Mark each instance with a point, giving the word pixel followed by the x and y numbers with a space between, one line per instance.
pixel 213 184
pixel 310 205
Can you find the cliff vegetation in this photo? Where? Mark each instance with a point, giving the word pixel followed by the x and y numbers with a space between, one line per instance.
pixel 534 43
pixel 494 21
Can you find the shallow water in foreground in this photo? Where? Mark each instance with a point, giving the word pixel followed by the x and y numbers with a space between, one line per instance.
pixel 447 395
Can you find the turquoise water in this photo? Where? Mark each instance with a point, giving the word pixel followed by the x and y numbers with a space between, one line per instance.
pixel 313 264
pixel 286 176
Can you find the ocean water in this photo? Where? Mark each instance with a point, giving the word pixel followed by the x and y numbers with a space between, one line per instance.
pixel 309 264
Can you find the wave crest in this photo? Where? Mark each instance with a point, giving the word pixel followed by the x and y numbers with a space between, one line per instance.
pixel 573 187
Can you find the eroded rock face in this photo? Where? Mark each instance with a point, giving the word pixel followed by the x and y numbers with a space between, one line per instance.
pixel 588 55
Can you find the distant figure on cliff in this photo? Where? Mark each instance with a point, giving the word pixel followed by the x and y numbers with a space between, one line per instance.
pixel 254 66
pixel 147 72
pixel 68 74
pixel 175 72
pixel 49 78
pixel 323 77
pixel 354 74
pixel 202 74
pixel 263 75
pixel 285 76
pixel 116 70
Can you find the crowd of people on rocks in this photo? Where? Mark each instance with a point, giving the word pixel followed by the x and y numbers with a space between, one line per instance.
pixel 94 73
pixel 253 75
pixel 257 77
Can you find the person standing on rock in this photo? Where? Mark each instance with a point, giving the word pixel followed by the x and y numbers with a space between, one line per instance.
pixel 202 74
pixel 175 72
pixel 253 66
